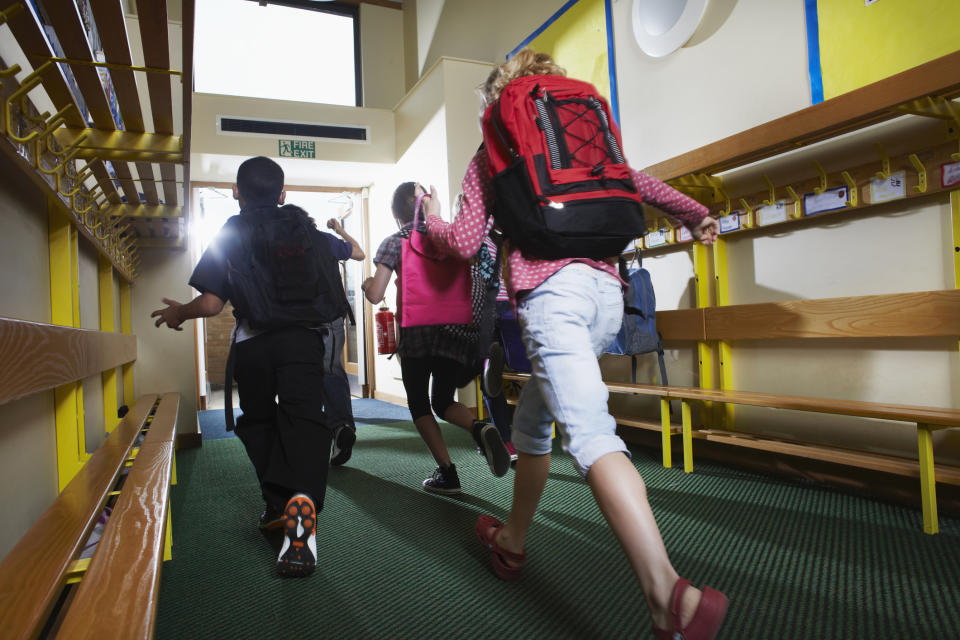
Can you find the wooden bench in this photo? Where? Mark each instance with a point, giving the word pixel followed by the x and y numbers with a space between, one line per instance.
pixel 926 419
pixel 911 315
pixel 45 588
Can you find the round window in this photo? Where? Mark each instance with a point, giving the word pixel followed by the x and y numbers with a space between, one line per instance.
pixel 663 26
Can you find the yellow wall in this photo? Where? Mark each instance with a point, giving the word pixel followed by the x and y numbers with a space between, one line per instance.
pixel 861 44
pixel 577 40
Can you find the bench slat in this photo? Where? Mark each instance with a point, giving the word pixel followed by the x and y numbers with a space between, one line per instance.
pixel 33 572
pixel 39 357
pixel 901 315
pixel 117 597
pixel 935 416
pixel 124 577
pixel 164 425
pixel 862 459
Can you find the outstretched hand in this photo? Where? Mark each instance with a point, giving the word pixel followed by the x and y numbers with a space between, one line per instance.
pixel 706 232
pixel 334 224
pixel 169 315
pixel 431 203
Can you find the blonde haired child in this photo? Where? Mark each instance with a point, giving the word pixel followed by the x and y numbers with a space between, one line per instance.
pixel 570 310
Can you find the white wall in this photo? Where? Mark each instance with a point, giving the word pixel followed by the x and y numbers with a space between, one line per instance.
pixel 381 53
pixel 28 446
pixel 472 30
pixel 751 70
pixel 165 358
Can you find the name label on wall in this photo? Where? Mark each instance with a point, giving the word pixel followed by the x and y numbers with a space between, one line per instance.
pixel 656 238
pixel 772 213
pixel 730 223
pixel 298 149
pixel 886 189
pixel 949 174
pixel 829 200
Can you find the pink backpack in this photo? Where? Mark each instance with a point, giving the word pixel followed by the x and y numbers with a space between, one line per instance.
pixel 434 286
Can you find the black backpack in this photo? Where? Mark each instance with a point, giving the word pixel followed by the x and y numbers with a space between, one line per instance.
pixel 281 274
pixel 638 333
pixel 284 273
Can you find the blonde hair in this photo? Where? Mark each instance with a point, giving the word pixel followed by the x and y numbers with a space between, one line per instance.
pixel 526 62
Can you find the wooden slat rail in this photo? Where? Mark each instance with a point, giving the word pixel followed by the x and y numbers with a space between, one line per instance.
pixel 901 315
pixel 918 314
pixel 117 597
pixel 926 420
pixel 33 573
pixel 851 111
pixel 38 357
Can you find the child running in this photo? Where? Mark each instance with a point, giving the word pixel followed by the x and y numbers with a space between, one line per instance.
pixel 570 310
pixel 436 351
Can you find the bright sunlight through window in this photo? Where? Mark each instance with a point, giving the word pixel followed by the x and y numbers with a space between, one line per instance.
pixel 274 52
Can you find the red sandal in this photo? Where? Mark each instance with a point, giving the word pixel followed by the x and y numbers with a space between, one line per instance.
pixel 706 619
pixel 498 555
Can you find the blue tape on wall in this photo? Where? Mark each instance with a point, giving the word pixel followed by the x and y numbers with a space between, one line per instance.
pixel 813 52
pixel 542 28
pixel 612 63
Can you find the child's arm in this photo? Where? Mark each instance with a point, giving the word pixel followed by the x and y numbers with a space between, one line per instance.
pixel 463 236
pixel 664 197
pixel 374 287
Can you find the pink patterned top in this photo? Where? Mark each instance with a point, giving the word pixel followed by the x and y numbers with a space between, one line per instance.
pixel 463 236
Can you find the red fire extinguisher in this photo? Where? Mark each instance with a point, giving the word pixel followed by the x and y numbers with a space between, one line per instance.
pixel 386 331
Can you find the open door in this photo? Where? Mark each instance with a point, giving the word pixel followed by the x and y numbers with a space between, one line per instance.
pixel 351 217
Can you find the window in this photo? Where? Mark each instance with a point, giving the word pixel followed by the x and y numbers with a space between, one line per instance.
pixel 297 50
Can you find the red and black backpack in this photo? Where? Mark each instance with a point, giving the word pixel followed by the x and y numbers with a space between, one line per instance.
pixel 563 188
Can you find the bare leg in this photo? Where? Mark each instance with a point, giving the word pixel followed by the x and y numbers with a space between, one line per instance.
pixel 459 415
pixel 622 497
pixel 430 432
pixel 528 482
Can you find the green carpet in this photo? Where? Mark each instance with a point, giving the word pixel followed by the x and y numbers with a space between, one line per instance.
pixel 797 560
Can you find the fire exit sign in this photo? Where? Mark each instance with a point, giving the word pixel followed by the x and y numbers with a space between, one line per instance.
pixel 298 149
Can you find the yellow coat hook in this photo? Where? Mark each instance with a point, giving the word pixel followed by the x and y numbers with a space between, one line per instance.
pixel 28 85
pixel 921 187
pixel 773 192
pixel 884 172
pixel 851 189
pixel 823 178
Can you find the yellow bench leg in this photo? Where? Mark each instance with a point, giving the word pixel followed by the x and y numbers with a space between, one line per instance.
pixel 687 436
pixel 168 536
pixel 665 432
pixel 928 480
pixel 173 474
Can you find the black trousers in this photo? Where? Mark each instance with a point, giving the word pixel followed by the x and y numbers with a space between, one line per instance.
pixel 279 378
pixel 336 387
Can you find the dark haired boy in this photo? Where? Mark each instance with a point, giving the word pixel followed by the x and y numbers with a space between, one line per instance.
pixel 278 373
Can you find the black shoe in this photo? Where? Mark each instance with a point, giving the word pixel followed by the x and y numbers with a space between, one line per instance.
pixel 343 440
pixel 443 480
pixel 298 556
pixel 488 438
pixel 271 518
pixel 492 379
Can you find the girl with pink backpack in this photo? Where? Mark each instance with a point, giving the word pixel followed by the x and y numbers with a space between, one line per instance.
pixel 434 337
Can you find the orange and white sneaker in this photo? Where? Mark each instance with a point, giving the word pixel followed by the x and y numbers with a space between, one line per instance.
pixel 298 555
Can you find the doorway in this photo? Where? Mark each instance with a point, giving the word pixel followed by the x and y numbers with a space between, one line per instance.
pixel 213 204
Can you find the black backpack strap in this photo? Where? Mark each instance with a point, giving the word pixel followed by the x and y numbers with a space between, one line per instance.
pixel 622 265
